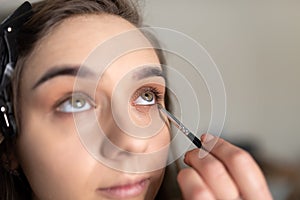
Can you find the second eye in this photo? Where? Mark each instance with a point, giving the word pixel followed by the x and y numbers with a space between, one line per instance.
pixel 75 103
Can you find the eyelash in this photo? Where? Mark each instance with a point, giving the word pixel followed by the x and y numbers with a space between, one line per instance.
pixel 157 95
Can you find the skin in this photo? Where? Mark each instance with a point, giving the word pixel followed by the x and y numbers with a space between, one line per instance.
pixel 54 160
pixel 227 172
pixel 56 163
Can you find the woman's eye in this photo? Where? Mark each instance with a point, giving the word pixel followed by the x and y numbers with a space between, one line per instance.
pixel 76 103
pixel 146 98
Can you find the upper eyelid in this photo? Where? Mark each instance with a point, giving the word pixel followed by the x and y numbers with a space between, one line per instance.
pixel 139 91
pixel 156 91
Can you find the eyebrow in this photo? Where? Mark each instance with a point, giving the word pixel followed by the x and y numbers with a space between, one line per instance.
pixel 147 72
pixel 86 72
pixel 65 70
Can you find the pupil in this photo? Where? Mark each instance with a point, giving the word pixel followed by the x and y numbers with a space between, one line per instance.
pixel 148 96
pixel 78 103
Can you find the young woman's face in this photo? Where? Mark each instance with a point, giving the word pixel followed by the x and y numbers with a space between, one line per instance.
pixel 49 149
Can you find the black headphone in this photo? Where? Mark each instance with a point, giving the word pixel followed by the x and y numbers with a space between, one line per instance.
pixel 9 29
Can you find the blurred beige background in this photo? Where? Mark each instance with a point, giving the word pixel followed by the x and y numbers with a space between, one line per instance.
pixel 256 46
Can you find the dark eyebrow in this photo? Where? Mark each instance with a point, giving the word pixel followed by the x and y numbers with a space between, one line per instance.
pixel 65 70
pixel 147 72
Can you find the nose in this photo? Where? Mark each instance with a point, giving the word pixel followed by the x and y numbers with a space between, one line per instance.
pixel 117 142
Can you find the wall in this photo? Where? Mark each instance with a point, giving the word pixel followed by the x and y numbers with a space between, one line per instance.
pixel 256 46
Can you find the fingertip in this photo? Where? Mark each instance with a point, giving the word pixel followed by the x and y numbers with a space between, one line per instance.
pixel 206 137
pixel 186 158
pixel 203 136
pixel 182 173
pixel 185 177
pixel 189 155
pixel 192 185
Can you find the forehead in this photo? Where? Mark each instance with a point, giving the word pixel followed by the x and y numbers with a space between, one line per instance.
pixel 78 36
pixel 72 41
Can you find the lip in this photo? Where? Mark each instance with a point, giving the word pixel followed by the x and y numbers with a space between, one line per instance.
pixel 127 190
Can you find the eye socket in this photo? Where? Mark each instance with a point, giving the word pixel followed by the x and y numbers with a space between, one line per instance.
pixel 146 98
pixel 75 103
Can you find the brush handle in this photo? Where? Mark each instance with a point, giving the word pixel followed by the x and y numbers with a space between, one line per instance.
pixel 194 139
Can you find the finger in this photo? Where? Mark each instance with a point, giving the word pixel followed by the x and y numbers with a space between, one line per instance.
pixel 214 174
pixel 242 167
pixel 192 186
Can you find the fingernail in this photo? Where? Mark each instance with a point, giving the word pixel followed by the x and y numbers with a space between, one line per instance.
pixel 207 138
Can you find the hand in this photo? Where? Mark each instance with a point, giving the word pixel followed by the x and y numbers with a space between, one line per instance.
pixel 225 173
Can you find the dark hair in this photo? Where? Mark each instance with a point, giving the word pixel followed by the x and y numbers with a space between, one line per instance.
pixel 47 14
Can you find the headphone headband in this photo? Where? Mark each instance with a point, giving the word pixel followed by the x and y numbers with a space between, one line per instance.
pixel 9 29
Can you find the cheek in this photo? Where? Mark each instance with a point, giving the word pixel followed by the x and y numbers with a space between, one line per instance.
pixel 153 126
pixel 164 137
pixel 47 154
pixel 140 116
